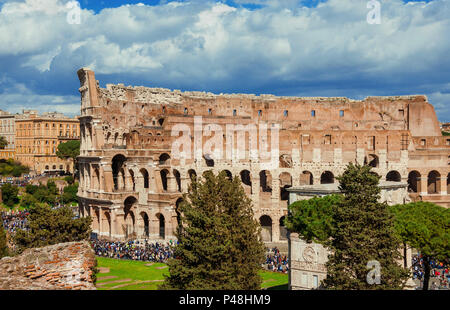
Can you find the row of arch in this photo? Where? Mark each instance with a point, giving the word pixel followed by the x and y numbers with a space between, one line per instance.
pixel 433 182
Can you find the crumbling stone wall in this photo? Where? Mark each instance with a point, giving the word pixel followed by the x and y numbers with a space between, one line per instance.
pixel 63 266
pixel 131 183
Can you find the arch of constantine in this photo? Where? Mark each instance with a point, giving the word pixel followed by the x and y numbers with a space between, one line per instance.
pixel 131 182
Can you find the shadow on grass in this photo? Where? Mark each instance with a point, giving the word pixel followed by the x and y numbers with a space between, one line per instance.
pixel 283 287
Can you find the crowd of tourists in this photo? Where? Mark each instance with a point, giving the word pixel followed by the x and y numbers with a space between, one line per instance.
pixel 13 221
pixel 134 250
pixel 439 273
pixel 275 261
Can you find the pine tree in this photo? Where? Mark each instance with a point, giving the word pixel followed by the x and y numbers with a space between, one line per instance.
pixel 364 232
pixel 219 244
pixel 3 241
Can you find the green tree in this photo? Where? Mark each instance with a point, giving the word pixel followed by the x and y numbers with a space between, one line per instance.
pixel 69 179
pixel 10 194
pixel 425 227
pixel 70 193
pixel 49 226
pixel 3 241
pixel 219 245
pixel 364 232
pixel 69 149
pixel 313 218
pixel 28 201
pixel 3 142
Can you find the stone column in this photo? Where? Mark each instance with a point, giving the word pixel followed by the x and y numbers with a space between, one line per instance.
pixel 443 188
pixel 275 231
pixel 424 185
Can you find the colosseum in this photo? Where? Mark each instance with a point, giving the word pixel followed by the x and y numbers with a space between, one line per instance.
pixel 131 182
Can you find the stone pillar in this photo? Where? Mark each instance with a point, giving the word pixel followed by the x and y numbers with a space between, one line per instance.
pixel 382 160
pixel 275 189
pixel 443 188
pixel 275 231
pixel 424 185
pixel 360 153
pixel 338 156
pixel 171 183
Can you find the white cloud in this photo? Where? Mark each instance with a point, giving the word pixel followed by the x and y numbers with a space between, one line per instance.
pixel 281 48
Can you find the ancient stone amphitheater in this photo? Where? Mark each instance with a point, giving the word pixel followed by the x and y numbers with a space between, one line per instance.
pixel 131 182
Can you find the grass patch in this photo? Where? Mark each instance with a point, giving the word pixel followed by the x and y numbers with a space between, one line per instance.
pixel 136 275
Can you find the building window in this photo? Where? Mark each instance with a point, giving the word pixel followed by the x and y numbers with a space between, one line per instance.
pixel 259 112
pixel 423 142
pixel 234 112
pixel 315 281
pixel 401 113
pixel 209 111
pixel 341 113
pixel 185 111
pixel 448 142
pixel 327 139
pixel 371 143
pixel 286 113
pixel 313 113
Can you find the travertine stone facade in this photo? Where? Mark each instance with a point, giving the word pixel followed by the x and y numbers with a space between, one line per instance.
pixel 131 183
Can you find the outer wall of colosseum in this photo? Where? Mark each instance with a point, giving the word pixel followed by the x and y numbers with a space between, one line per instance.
pixel 131 183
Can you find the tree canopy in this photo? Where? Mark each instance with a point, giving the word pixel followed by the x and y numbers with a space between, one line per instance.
pixel 49 226
pixel 313 218
pixel 219 240
pixel 69 149
pixel 10 194
pixel 425 227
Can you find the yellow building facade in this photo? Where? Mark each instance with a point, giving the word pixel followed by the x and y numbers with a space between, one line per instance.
pixel 37 139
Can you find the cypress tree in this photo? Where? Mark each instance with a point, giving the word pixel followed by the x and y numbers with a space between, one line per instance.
pixel 364 232
pixel 219 245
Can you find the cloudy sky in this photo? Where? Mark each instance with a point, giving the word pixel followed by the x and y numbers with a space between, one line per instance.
pixel 281 47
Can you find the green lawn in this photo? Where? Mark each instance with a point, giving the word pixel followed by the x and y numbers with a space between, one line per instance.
pixel 136 275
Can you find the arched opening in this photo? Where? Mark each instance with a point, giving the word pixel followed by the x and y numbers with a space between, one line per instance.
pixel 434 182
pixel 192 174
pixel 208 160
pixel 161 121
pixel 393 176
pixel 116 165
pixel 145 178
pixel 177 176
pixel 266 228
pixel 327 178
pixel 164 159
pixel 162 226
pixel 246 181
pixel 414 182
pixel 285 183
pixel 145 222
pixel 306 178
pixel 96 178
pixel 116 137
pixel 133 182
pixel 164 173
pixel 177 209
pixel 283 229
pixel 265 181
pixel 107 224
pixel 129 219
pixel 448 183
pixel 372 161
pixel 228 174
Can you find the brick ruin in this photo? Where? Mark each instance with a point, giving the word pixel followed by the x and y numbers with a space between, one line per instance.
pixel 63 266
pixel 131 183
